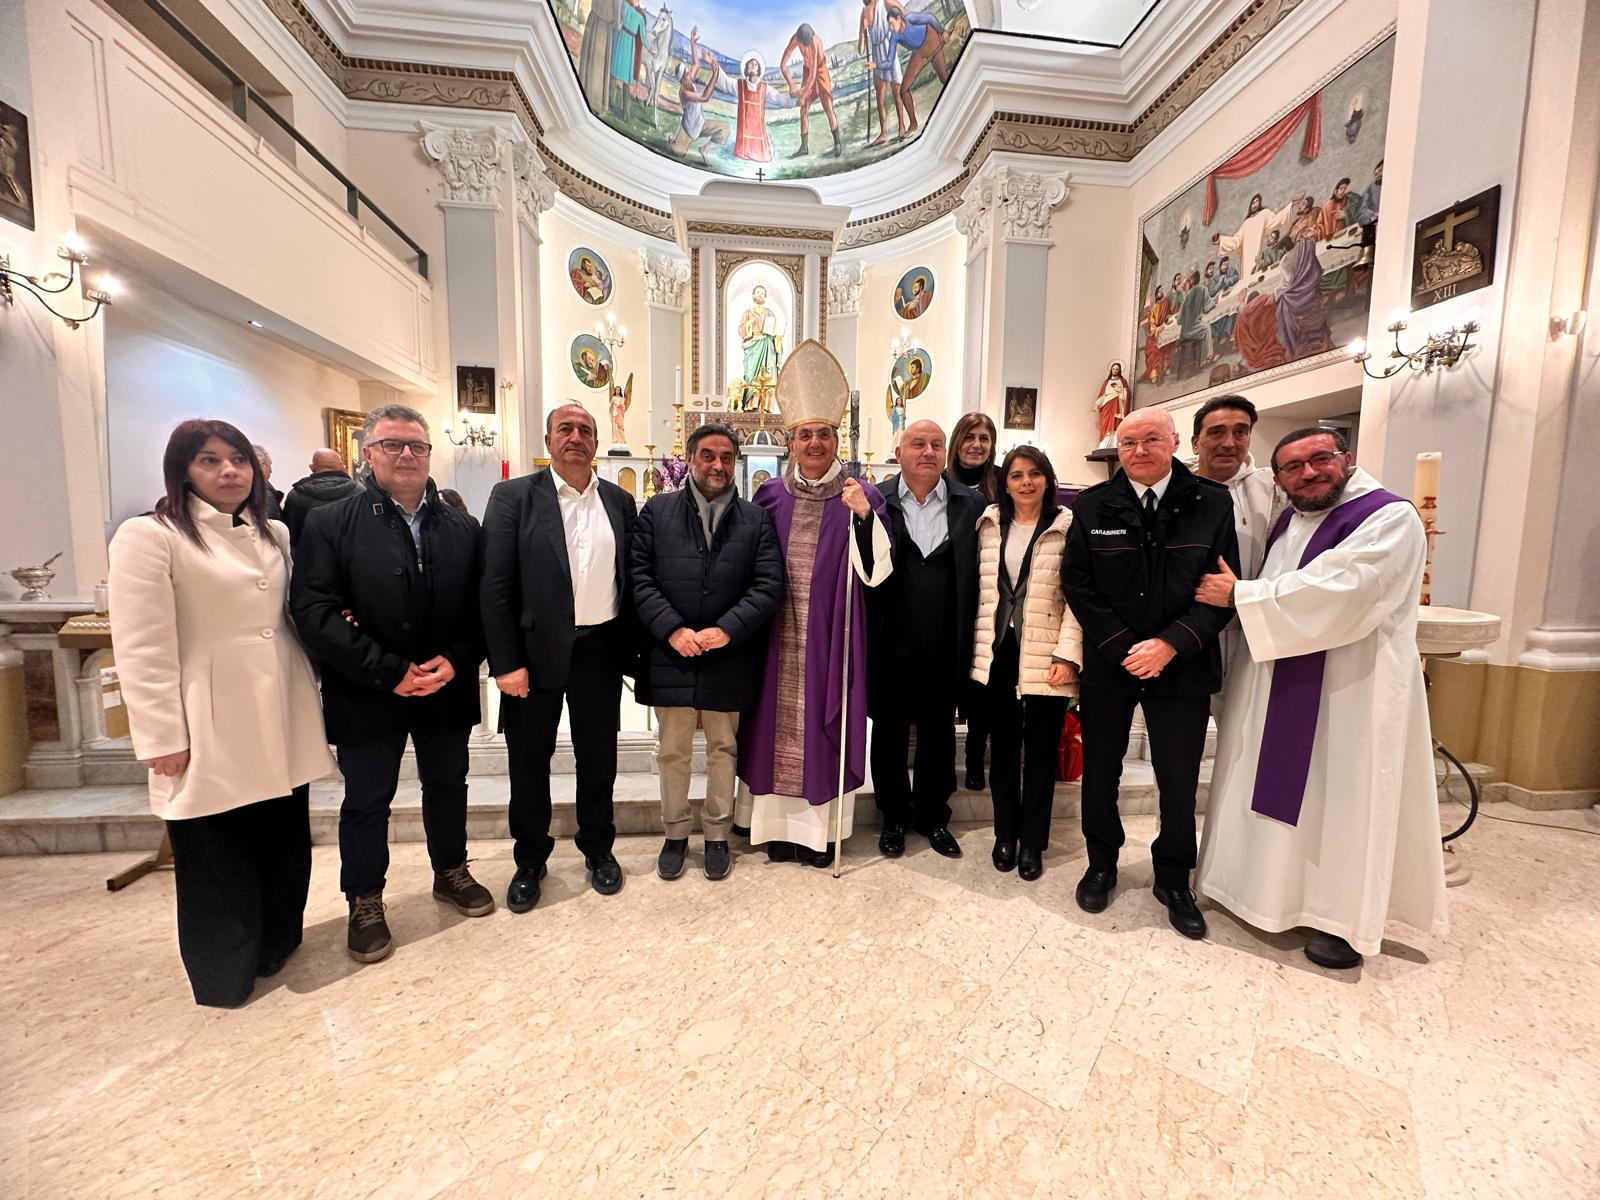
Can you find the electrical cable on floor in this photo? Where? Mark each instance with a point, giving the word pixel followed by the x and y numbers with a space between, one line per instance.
pixel 1513 820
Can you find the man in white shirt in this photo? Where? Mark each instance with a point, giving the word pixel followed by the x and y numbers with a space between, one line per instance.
pixel 559 623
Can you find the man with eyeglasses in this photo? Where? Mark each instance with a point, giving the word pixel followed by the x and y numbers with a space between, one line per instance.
pixel 559 621
pixel 1137 549
pixel 1323 810
pixel 385 593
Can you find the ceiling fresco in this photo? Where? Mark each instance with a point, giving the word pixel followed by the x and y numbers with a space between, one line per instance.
pixel 785 89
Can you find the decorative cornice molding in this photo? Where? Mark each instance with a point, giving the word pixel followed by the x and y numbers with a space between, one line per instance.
pixel 972 217
pixel 665 277
pixel 731 229
pixel 470 161
pixel 845 282
pixel 536 191
pixel 600 199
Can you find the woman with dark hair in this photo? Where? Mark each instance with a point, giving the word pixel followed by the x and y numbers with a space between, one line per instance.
pixel 1027 648
pixel 222 706
pixel 972 463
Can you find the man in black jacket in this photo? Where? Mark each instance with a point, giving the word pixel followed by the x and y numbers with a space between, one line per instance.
pixel 919 641
pixel 327 482
pixel 385 594
pixel 559 624
pixel 708 577
pixel 1136 551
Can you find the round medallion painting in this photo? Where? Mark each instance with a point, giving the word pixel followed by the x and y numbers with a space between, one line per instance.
pixel 591 361
pixel 909 378
pixel 591 277
pixel 913 293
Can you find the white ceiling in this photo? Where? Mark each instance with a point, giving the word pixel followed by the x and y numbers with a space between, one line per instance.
pixel 1099 22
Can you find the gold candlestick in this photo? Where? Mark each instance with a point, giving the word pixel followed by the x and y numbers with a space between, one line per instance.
pixel 649 470
pixel 867 456
pixel 677 429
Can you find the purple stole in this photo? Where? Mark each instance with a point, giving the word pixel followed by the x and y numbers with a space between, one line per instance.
pixel 1295 701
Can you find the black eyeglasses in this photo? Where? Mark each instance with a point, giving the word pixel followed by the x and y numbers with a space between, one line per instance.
pixel 1316 462
pixel 395 447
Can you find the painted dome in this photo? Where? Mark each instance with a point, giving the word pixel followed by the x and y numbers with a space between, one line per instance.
pixel 783 89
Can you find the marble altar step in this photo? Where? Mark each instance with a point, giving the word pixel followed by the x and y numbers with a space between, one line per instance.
pixel 117 817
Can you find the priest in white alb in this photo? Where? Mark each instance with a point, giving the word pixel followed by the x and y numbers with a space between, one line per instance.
pixel 1323 810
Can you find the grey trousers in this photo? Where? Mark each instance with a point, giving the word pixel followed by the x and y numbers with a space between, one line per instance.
pixel 672 764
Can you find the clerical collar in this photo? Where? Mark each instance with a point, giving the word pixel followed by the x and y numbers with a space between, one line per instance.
pixel 816 485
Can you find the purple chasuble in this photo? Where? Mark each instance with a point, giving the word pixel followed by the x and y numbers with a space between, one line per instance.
pixel 823 658
pixel 1295 701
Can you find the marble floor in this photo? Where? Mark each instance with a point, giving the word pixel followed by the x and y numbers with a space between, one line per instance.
pixel 917 1028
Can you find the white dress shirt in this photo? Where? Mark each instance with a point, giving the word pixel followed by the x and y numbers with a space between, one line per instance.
pixel 1159 487
pixel 926 521
pixel 591 551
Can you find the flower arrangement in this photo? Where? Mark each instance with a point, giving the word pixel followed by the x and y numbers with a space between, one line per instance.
pixel 674 470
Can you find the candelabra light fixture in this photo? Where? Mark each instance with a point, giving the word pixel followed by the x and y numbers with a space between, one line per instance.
pixel 54 283
pixel 902 344
pixel 612 336
pixel 471 434
pixel 1437 350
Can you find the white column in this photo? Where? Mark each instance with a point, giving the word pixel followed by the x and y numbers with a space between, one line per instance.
pixel 666 290
pixel 706 263
pixel 523 420
pixel 845 281
pixel 479 271
pixel 811 313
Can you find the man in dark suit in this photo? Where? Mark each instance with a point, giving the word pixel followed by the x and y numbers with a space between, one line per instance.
pixel 708 577
pixel 385 594
pixel 919 643
pixel 1136 551
pixel 559 624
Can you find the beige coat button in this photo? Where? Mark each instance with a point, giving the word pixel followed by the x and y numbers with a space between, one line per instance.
pixel 262 584
pixel 266 633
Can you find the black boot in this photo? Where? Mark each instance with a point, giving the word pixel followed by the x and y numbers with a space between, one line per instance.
pixel 805 146
pixel 838 146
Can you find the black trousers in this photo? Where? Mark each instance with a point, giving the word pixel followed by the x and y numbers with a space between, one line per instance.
pixel 371 769
pixel 1177 729
pixel 1024 736
pixel 242 878
pixel 925 696
pixel 975 708
pixel 594 706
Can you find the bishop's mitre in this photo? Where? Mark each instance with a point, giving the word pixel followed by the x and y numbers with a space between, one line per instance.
pixel 812 387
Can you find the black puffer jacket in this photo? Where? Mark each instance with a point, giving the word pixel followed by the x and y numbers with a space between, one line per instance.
pixel 1125 583
pixel 736 584
pixel 358 554
pixel 313 492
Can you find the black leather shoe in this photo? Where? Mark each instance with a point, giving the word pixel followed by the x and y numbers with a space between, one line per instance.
pixel 741 831
pixel 1030 864
pixel 974 780
pixel 523 893
pixel 821 859
pixel 719 860
pixel 1182 911
pixel 605 875
pixel 892 841
pixel 674 852
pixel 1005 856
pixel 1332 952
pixel 944 842
pixel 1094 889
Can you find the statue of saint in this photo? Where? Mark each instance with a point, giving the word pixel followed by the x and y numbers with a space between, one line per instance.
pixel 762 347
pixel 621 401
pixel 1112 405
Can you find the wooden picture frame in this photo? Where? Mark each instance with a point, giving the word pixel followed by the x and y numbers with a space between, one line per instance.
pixel 16 168
pixel 342 430
pixel 475 390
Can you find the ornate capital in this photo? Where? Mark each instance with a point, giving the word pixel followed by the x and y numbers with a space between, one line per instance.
pixel 844 289
pixel 972 217
pixel 469 161
pixel 1026 200
pixel 536 191
pixel 665 277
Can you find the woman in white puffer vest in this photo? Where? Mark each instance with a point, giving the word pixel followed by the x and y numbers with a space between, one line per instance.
pixel 1027 648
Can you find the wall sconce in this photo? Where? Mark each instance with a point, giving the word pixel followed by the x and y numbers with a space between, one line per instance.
pixel 55 283
pixel 612 335
pixel 474 435
pixel 1573 324
pixel 1439 350
pixel 902 344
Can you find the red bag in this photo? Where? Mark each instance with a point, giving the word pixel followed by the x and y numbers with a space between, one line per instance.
pixel 1069 754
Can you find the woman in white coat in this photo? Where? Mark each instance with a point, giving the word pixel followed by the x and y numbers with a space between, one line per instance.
pixel 1027 648
pixel 222 706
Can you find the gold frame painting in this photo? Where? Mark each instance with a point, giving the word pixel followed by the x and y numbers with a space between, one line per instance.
pixel 343 428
